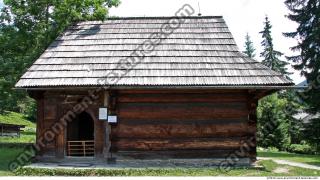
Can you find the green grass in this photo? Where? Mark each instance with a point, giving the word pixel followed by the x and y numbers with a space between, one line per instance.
pixel 29 132
pixel 302 158
pixel 16 118
pixel 8 154
pixel 27 136
pixel 269 170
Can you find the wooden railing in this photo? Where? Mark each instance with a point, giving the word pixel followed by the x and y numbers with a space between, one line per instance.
pixel 80 148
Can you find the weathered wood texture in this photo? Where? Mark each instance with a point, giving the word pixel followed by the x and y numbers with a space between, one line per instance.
pixel 252 123
pixel 54 111
pixel 169 121
pixel 181 123
pixel 185 154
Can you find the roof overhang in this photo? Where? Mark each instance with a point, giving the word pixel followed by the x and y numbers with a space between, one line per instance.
pixel 157 87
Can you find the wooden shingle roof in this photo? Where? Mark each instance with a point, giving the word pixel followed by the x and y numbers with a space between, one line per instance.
pixel 202 52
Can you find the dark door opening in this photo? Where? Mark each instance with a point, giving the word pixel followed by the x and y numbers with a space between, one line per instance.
pixel 80 136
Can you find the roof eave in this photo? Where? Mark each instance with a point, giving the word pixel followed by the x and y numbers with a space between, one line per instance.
pixel 276 87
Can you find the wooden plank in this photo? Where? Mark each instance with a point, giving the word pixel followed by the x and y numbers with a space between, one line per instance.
pixel 179 130
pixel 129 121
pixel 179 91
pixel 60 144
pixel 99 137
pixel 150 98
pixel 61 136
pixel 81 148
pixel 50 109
pixel 252 123
pixel 185 105
pixel 40 120
pixel 181 111
pixel 175 144
pixel 184 154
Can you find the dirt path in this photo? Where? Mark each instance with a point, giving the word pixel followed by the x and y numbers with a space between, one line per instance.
pixel 290 163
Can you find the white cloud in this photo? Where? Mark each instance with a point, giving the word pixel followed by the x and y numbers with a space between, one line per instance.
pixel 242 16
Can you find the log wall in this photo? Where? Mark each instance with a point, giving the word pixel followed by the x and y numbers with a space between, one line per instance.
pixel 182 122
pixel 179 124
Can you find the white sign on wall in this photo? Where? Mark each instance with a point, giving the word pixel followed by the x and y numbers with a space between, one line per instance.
pixel 103 114
pixel 112 119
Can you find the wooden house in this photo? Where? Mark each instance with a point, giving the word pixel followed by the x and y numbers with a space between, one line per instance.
pixel 189 93
pixel 10 129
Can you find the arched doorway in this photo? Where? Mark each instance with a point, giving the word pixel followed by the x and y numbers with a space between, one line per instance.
pixel 80 136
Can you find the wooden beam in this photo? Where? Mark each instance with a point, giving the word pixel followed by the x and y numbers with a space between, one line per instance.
pixel 106 131
pixel 61 136
pixel 253 98
pixel 40 119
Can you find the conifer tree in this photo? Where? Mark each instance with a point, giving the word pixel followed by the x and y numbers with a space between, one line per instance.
pixel 271 57
pixel 249 48
pixel 307 14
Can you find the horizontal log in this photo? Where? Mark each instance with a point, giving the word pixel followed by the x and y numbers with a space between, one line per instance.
pixel 178 111
pixel 149 98
pixel 179 130
pixel 179 91
pixel 176 144
pixel 184 154
pixel 130 121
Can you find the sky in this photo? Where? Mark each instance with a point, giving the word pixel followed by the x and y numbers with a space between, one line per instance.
pixel 241 16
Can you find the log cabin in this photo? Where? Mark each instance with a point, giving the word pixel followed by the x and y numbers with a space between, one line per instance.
pixel 148 88
pixel 11 129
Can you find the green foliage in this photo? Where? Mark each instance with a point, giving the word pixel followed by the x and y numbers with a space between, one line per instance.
pixel 271 57
pixel 249 48
pixel 16 118
pixel 312 133
pixel 27 27
pixel 28 135
pixel 307 14
pixel 273 123
pixel 293 106
pixel 27 107
pixel 301 149
pixel 277 126
pixel 271 149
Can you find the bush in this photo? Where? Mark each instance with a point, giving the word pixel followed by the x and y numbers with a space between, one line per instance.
pixel 273 149
pixel 301 149
pixel 273 123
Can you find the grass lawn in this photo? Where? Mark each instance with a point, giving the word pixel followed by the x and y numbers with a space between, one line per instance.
pixel 7 155
pixel 29 133
pixel 27 136
pixel 16 118
pixel 270 169
pixel 302 158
